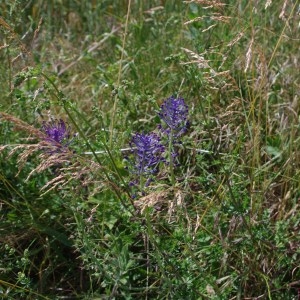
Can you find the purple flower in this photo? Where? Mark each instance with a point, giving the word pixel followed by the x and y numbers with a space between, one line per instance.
pixel 57 133
pixel 148 151
pixel 174 112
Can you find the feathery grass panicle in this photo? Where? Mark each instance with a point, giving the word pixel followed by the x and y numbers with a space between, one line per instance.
pixel 21 125
pixel 210 3
pixel 85 174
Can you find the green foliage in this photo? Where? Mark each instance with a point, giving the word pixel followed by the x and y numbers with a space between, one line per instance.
pixel 226 227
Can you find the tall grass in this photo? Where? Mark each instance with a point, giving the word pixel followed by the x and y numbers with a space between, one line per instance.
pixel 220 223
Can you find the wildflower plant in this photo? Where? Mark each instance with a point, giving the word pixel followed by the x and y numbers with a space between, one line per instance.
pixel 149 150
pixel 174 114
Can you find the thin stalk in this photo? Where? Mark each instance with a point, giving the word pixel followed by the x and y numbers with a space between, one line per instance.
pixel 119 75
pixel 20 288
pixel 282 32
pixel 141 177
pixel 171 158
pixel 157 253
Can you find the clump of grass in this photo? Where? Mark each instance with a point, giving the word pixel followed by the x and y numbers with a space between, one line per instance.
pixel 215 212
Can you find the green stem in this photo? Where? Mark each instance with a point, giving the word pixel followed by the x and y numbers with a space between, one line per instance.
pixel 157 253
pixel 171 159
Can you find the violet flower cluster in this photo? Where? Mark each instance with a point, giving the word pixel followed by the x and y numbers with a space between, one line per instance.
pixel 149 150
pixel 174 112
pixel 57 133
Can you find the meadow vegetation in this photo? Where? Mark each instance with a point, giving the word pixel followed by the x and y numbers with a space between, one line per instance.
pixel 149 149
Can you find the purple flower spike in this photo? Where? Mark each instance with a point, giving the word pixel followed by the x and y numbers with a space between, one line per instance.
pixel 174 112
pixel 148 152
pixel 57 132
